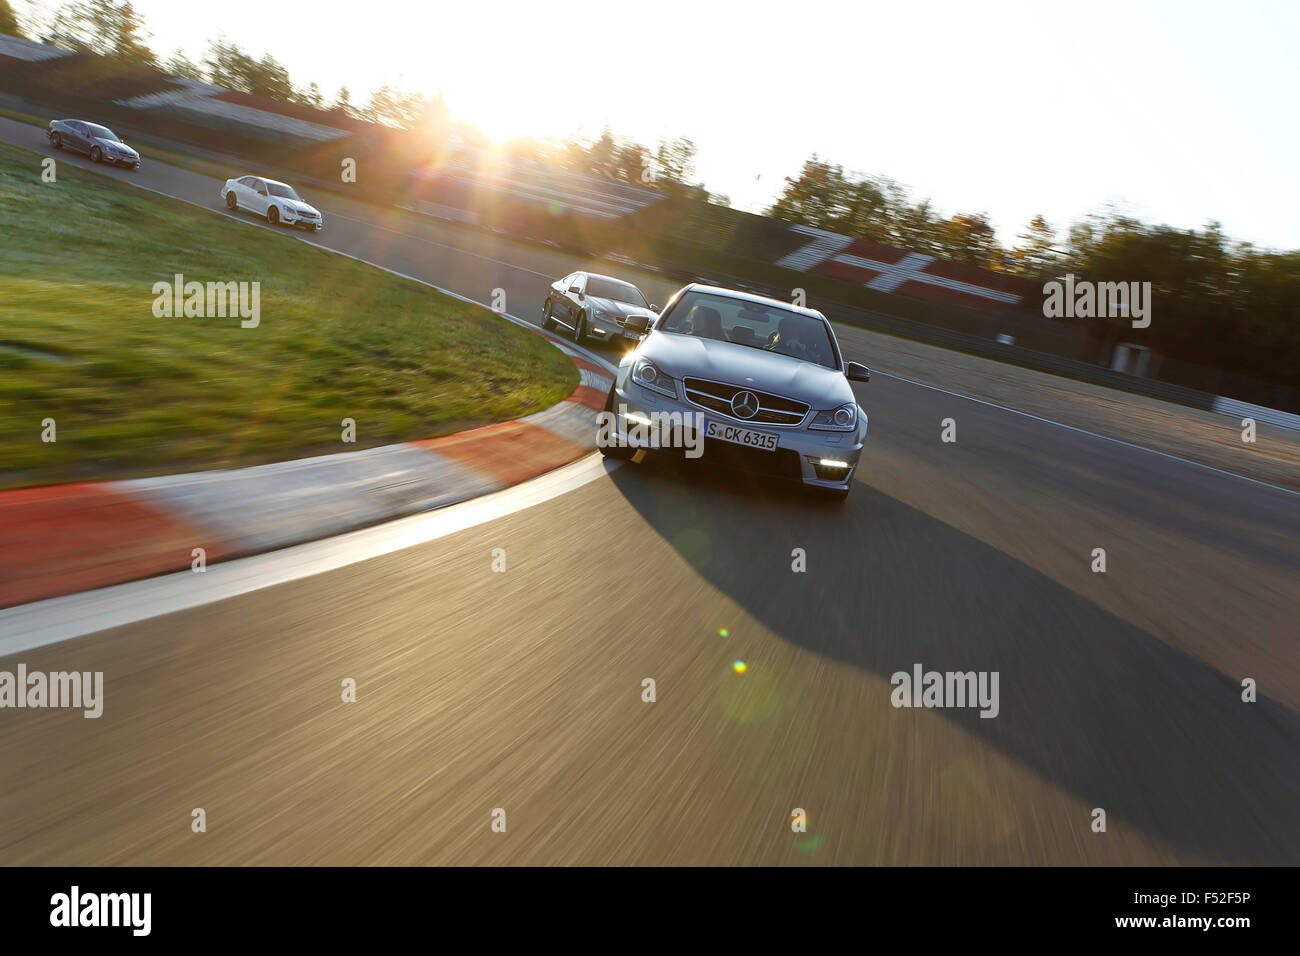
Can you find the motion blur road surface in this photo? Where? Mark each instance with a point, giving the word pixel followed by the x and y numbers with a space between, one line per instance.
pixel 522 690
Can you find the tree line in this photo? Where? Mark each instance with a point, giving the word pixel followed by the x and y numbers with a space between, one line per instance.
pixel 879 209
pixel 114 29
pixel 1226 304
pixel 669 167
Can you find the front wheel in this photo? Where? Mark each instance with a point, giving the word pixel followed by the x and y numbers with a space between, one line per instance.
pixel 96 154
pixel 580 328
pixel 273 216
pixel 548 320
pixel 232 201
pixel 615 452
pixel 56 141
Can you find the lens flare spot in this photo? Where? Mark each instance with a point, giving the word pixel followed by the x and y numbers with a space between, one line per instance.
pixel 739 667
pixel 723 632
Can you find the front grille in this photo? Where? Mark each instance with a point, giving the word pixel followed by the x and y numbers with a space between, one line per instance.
pixel 716 397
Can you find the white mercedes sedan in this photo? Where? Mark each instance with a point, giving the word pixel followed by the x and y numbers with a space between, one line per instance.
pixel 275 200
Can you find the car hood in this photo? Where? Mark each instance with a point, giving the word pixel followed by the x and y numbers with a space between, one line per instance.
pixel 684 356
pixel 116 146
pixel 619 310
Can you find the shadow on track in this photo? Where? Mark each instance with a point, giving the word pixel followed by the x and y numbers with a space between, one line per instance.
pixel 1089 702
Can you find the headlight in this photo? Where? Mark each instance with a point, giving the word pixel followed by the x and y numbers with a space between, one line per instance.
pixel 842 419
pixel 646 375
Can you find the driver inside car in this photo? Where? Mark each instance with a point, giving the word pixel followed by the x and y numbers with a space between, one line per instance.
pixel 706 322
pixel 786 339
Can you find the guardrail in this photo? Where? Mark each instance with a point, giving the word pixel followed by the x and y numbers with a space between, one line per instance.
pixel 1230 406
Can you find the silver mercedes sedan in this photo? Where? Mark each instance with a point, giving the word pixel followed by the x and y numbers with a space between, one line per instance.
pixel 594 307
pixel 748 381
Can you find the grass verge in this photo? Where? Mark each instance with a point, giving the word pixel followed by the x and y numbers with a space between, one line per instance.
pixel 132 394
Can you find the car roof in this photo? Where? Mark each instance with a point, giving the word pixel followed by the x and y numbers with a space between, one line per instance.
pixel 597 275
pixel 751 297
pixel 265 179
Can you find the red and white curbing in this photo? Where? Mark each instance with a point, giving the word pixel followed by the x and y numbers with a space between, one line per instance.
pixel 68 538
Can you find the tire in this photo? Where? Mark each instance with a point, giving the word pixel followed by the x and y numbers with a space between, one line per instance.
pixel 96 154
pixel 56 141
pixel 580 329
pixel 547 321
pixel 273 216
pixel 615 452
pixel 232 201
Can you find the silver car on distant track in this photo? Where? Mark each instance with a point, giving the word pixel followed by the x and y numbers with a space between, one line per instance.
pixel 764 379
pixel 98 142
pixel 593 307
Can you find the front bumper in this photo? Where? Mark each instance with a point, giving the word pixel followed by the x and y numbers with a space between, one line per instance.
pixel 611 330
pixel 799 453
pixel 291 218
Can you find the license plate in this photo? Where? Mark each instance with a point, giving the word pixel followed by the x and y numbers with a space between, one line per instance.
pixel 740 436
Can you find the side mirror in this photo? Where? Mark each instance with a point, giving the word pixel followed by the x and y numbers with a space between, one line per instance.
pixel 637 323
pixel 857 372
pixel 654 309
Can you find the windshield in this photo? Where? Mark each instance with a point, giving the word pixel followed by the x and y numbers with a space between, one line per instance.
pixel 754 325
pixel 613 289
pixel 283 191
pixel 102 132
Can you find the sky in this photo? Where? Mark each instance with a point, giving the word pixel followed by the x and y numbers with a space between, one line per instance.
pixel 1180 112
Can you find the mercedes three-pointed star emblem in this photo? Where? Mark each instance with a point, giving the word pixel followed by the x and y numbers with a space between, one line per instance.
pixel 744 404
